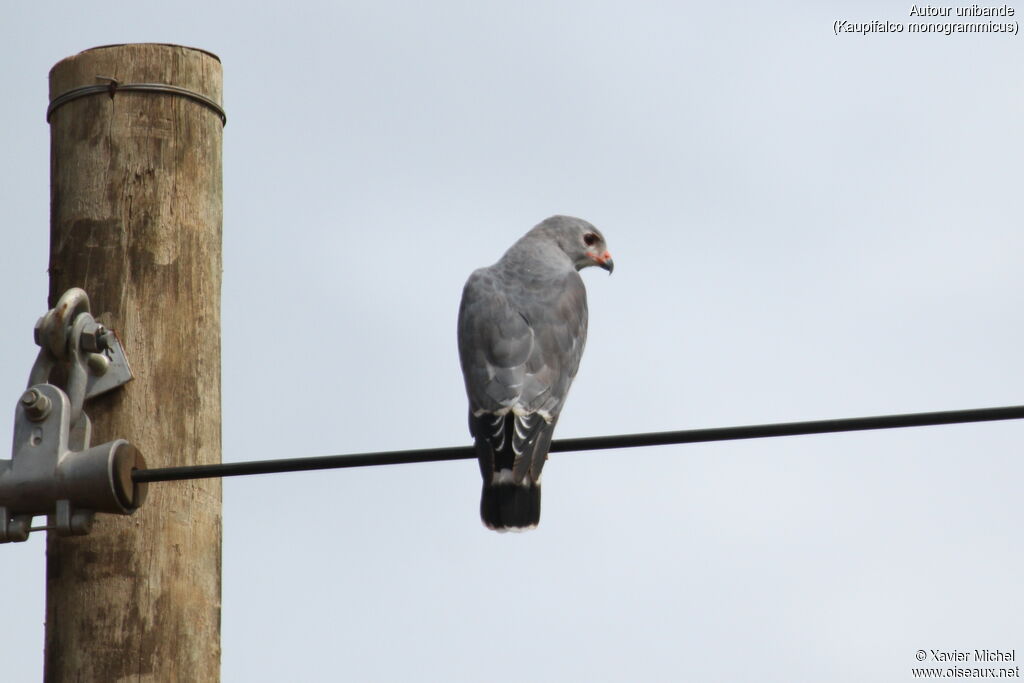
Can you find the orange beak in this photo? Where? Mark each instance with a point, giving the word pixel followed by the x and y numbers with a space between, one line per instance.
pixel 605 261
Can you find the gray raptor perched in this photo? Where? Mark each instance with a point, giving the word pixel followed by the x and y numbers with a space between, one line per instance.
pixel 522 328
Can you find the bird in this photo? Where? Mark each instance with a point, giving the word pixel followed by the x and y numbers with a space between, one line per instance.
pixel 522 326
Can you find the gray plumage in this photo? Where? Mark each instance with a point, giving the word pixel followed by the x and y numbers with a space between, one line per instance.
pixel 522 329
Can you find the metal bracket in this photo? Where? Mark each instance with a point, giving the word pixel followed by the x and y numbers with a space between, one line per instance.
pixel 53 470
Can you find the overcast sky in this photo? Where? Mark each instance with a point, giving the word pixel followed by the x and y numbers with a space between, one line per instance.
pixel 804 226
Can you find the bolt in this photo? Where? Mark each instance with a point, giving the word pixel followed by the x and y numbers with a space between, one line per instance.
pixel 37 332
pixel 98 364
pixel 93 338
pixel 37 405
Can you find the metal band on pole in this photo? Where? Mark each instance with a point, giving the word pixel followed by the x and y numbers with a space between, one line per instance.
pixel 113 87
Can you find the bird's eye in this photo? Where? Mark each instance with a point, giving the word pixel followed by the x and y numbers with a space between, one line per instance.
pixel 590 239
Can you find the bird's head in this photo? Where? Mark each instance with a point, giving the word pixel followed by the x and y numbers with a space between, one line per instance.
pixel 582 242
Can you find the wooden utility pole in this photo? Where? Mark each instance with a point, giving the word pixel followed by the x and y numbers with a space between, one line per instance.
pixel 136 221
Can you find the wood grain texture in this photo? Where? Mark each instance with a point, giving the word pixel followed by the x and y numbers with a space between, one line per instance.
pixel 136 207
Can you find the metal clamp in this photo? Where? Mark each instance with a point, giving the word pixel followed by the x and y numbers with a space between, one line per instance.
pixel 53 470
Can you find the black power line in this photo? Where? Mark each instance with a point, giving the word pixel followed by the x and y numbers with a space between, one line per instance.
pixel 591 443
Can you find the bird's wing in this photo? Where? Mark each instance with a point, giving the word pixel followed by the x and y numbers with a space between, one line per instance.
pixel 520 344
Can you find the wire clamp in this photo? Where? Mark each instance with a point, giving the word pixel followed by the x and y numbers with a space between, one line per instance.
pixel 53 470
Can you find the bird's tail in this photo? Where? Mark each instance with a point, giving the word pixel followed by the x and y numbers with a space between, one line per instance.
pixel 507 506
pixel 512 450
